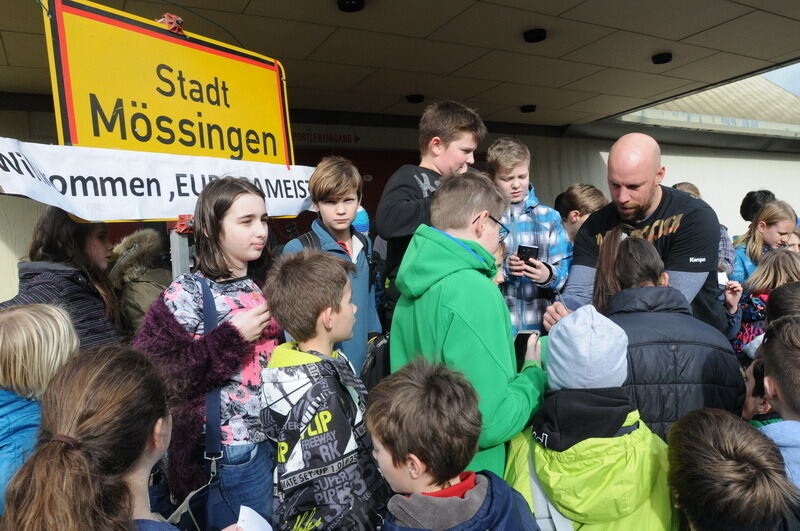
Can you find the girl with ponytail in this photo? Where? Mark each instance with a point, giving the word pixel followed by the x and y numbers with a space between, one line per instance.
pixel 676 363
pixel 104 426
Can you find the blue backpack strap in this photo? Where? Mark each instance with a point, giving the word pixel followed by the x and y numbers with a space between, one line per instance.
pixel 213 431
pixel 209 308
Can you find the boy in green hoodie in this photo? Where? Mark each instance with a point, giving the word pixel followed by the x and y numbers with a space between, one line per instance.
pixel 451 312
pixel 313 404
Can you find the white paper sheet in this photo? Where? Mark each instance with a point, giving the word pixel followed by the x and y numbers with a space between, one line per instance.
pixel 249 520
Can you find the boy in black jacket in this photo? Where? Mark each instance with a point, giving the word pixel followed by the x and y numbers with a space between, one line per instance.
pixel 449 133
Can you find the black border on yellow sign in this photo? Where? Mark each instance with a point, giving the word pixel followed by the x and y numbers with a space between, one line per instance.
pixel 59 60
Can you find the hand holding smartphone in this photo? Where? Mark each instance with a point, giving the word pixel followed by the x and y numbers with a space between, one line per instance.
pixel 524 252
pixel 523 342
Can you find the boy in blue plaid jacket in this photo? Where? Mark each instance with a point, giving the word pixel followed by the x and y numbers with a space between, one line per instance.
pixel 529 287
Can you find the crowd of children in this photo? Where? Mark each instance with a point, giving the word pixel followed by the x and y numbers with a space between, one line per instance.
pixel 576 367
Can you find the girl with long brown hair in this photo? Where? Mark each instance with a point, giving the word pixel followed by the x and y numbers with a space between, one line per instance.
pixel 195 356
pixel 66 265
pixel 104 425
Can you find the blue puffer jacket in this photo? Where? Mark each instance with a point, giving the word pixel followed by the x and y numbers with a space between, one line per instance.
pixel 503 508
pixel 19 426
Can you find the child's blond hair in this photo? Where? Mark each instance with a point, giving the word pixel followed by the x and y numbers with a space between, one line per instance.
pixel 504 154
pixel 36 340
pixel 777 268
pixel 771 213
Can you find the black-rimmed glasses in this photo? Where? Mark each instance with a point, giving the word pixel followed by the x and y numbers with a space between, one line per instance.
pixel 504 232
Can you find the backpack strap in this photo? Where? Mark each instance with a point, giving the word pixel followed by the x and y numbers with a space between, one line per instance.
pixel 213 450
pixel 310 240
pixel 364 240
pixel 543 508
pixel 373 263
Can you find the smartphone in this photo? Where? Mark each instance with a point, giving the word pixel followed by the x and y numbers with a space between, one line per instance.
pixel 528 251
pixel 521 345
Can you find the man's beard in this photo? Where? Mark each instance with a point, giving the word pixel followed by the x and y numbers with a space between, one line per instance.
pixel 637 214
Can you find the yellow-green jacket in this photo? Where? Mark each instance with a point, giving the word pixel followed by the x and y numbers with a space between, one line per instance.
pixel 615 483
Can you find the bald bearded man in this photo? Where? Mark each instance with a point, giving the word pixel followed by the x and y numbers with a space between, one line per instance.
pixel 684 230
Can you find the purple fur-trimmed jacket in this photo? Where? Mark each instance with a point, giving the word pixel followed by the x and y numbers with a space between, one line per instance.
pixel 191 367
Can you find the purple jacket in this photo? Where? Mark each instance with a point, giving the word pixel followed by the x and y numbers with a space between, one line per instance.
pixel 190 368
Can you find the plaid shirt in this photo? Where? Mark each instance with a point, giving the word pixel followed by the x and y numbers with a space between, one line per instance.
pixel 725 250
pixel 531 223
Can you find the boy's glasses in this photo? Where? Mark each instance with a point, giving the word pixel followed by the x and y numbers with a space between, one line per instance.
pixel 503 229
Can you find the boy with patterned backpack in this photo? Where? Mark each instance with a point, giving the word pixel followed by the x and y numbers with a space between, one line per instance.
pixel 313 403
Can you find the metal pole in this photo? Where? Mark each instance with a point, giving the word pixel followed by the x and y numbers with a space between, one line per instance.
pixel 179 250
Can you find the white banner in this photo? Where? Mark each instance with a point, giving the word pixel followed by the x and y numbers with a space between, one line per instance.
pixel 109 184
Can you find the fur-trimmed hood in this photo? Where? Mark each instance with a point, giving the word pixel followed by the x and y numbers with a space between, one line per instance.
pixel 136 254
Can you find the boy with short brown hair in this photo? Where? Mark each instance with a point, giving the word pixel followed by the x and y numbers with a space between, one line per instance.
pixel 335 177
pixel 335 188
pixel 727 476
pixel 313 403
pixel 449 133
pixel 425 423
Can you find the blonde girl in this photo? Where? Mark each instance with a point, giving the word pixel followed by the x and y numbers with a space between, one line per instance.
pixel 769 230
pixel 36 340
pixel 776 269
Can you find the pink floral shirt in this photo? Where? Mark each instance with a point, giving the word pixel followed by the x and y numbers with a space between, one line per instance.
pixel 240 395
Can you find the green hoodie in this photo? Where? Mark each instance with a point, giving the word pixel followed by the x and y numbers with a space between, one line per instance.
pixel 450 311
pixel 600 484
